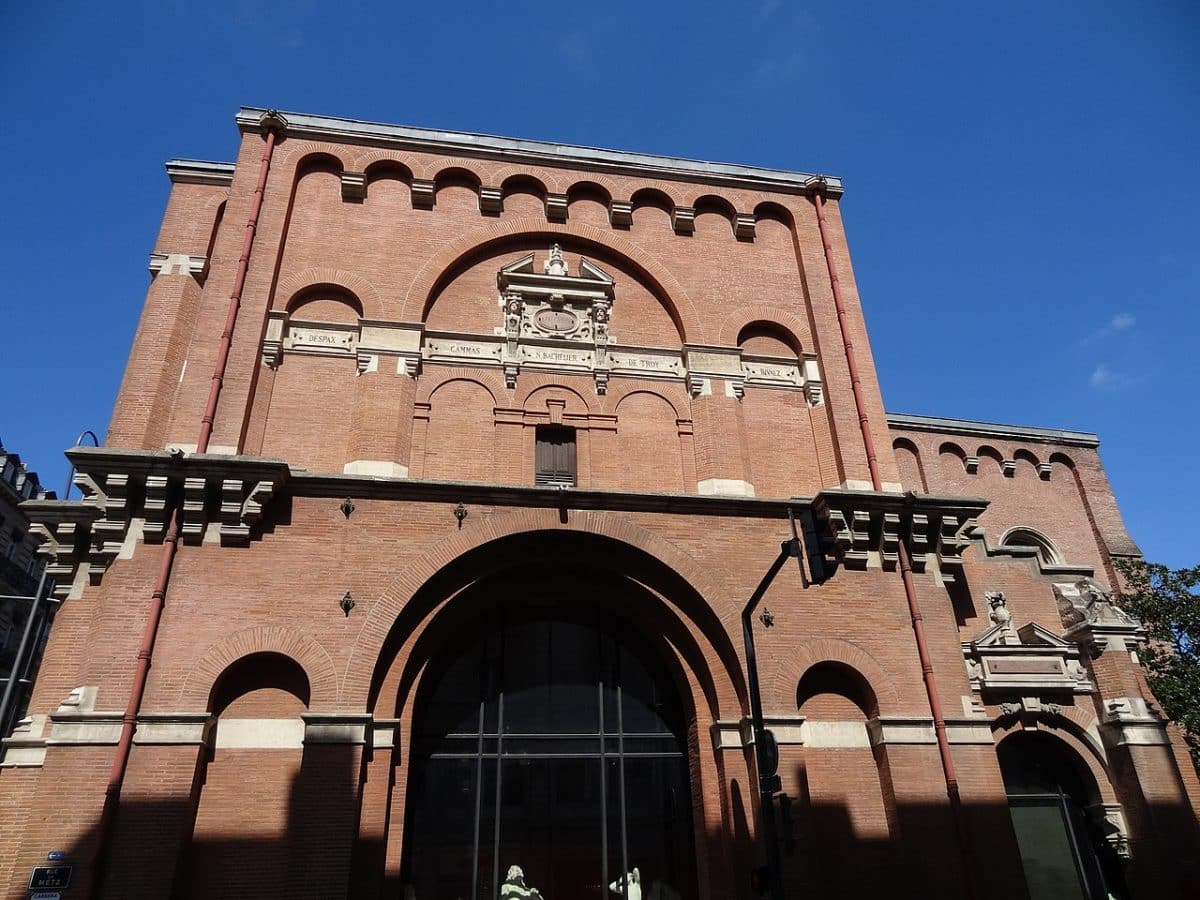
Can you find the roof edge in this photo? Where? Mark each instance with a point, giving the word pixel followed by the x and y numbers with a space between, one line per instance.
pixel 199 171
pixel 994 430
pixel 249 118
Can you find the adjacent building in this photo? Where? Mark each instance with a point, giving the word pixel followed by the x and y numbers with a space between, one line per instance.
pixel 417 561
pixel 20 569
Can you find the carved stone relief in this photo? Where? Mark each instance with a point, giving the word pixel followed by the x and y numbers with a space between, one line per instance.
pixel 1032 659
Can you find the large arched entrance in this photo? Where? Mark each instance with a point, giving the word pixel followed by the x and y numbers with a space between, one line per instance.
pixel 549 749
pixel 1063 856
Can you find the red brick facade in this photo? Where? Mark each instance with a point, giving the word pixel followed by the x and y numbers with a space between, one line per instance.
pixel 705 375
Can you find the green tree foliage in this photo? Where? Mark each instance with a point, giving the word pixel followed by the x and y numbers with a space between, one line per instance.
pixel 1168 603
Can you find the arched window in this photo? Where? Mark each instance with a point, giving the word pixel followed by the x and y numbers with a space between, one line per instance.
pixel 1062 855
pixel 1027 537
pixel 548 754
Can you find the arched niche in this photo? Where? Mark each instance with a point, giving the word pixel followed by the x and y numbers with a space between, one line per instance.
pixel 1024 536
pixel 763 338
pixel 834 691
pixel 325 303
pixel 242 833
pixel 912 470
pixel 264 685
pixel 589 202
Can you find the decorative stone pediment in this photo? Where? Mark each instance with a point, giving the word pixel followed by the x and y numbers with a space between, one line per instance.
pixel 1093 619
pixel 128 497
pixel 1024 660
pixel 552 307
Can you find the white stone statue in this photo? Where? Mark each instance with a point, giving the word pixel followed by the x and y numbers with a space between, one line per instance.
pixel 555 265
pixel 514 887
pixel 629 886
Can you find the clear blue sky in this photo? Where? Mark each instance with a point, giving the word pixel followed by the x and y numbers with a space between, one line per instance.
pixel 1023 179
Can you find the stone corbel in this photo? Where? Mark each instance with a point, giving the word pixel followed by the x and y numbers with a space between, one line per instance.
pixel 556 207
pixel 920 544
pixel 620 214
pixel 971 464
pixel 1129 721
pixel 179 264
pixel 601 381
pixel 814 387
pixel 889 547
pixel 26 746
pixel 422 193
pixel 242 506
pixel 491 202
pixel 1110 819
pixel 154 508
pixel 354 186
pixel 1030 711
pixel 954 536
pixel 1043 471
pixel 858 528
pixel 379 340
pixel 743 226
pixel 174 729
pixel 272 347
pixel 336 728
pixel 683 219
pixel 706 363
pixel 510 375
pixel 192 518
pixel 82 538
pixel 851 537
pixel 1008 467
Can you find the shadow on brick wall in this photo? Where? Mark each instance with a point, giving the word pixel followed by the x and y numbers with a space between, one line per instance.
pixel 315 853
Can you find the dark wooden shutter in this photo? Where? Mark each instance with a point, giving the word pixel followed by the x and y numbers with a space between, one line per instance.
pixel 554 455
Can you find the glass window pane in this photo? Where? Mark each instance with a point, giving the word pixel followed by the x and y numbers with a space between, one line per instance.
pixel 1046 854
pixel 658 826
pixel 454 706
pixel 526 682
pixel 442 831
pixel 550 825
pixel 573 811
pixel 641 699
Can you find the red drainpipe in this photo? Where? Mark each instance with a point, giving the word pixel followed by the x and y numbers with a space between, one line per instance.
pixel 116 778
pixel 910 588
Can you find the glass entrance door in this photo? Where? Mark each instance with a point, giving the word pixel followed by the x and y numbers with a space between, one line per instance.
pixel 549 760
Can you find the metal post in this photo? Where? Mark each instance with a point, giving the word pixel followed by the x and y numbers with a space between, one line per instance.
pixel 766 783
pixel 16 669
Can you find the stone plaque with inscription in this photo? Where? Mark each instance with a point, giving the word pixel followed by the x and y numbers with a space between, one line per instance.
pixel 320 340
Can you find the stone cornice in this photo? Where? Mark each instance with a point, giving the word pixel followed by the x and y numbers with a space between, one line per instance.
pixel 130 495
pixel 1021 433
pixel 200 171
pixel 374 488
pixel 430 140
pixel 863 528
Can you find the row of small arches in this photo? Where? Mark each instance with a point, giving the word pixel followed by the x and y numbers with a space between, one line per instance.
pixel 356 186
pixel 973 464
